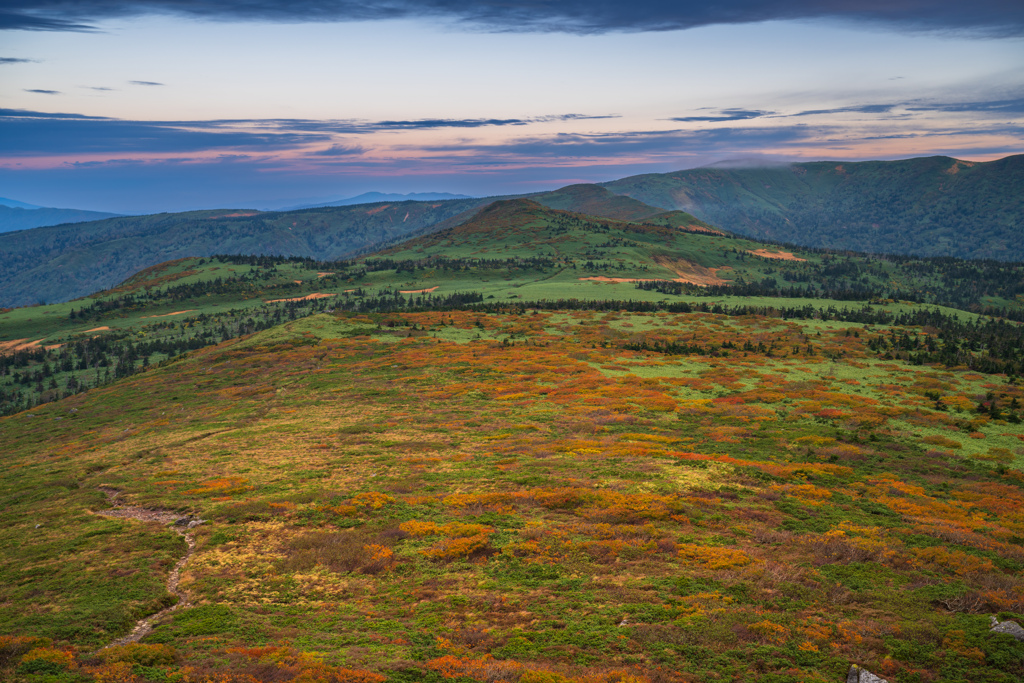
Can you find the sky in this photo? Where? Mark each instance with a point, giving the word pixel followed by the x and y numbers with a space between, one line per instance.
pixel 169 105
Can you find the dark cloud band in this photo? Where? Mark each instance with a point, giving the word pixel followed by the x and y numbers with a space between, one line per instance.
pixel 725 115
pixel 41 133
pixel 990 17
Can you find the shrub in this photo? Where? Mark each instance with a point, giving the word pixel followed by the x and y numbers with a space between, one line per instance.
pixel 713 557
pixel 339 551
pixel 138 653
pixel 46 660
pixel 12 647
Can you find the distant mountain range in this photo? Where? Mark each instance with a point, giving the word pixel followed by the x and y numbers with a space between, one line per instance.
pixel 936 206
pixel 15 215
pixel 931 206
pixel 373 197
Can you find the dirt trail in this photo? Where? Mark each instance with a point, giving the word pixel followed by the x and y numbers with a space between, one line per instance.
pixel 184 525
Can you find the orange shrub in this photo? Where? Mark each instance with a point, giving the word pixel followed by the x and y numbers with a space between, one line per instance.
pixel 454 548
pixel 712 557
pixel 953 560
pixel 222 486
pixel 770 631
pixel 371 500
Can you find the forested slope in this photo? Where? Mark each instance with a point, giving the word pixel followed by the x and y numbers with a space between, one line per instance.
pixel 934 206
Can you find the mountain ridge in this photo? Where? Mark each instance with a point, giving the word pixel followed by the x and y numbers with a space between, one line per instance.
pixel 929 206
pixel 16 216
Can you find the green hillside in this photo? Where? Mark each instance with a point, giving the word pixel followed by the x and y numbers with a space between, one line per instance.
pixel 596 201
pixel 926 207
pixel 511 252
pixel 584 492
pixel 935 206
pixel 68 261
pixel 65 262
pixel 533 446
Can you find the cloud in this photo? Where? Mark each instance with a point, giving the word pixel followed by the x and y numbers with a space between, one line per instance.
pixel 631 144
pixel 15 60
pixel 25 18
pixel 304 144
pixel 657 146
pixel 856 109
pixel 40 91
pixel 340 150
pixel 97 87
pixel 447 123
pixel 145 83
pixel 478 123
pixel 23 113
pixel 986 17
pixel 1011 106
pixel 725 115
pixel 42 134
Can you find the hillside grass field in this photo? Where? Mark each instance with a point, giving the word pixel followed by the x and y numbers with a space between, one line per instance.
pixel 464 459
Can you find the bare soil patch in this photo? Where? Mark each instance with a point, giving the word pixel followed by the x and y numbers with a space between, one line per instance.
pixel 416 291
pixel 691 272
pixel 602 278
pixel 314 295
pixel 164 315
pixel 781 255
pixel 98 329
pixel 687 271
pixel 17 345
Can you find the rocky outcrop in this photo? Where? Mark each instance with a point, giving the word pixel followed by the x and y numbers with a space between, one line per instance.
pixel 859 675
pixel 1010 628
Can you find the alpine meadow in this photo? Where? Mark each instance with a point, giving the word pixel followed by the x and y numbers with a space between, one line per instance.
pixel 357 362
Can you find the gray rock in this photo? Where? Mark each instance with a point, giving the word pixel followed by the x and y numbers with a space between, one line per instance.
pixel 859 675
pixel 1010 628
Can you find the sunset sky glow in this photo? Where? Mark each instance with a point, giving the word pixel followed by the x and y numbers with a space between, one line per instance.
pixel 158 106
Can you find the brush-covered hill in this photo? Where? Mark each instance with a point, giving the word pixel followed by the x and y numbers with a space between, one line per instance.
pixel 934 206
pixel 68 261
pixel 22 218
pixel 533 446
pixel 596 201
pixel 511 252
pixel 599 494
